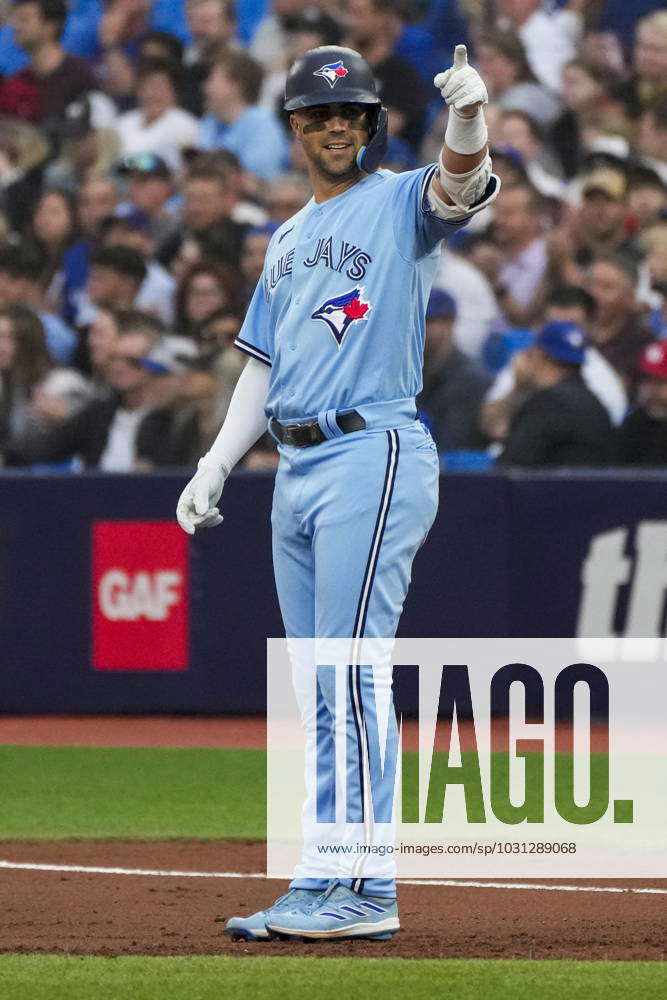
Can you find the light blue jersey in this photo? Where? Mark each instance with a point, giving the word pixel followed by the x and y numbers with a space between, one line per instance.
pixel 339 315
pixel 339 311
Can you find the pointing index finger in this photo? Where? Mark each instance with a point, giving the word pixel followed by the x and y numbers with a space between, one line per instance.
pixel 460 57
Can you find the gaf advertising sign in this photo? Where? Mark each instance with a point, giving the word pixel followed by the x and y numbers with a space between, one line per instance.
pixel 140 596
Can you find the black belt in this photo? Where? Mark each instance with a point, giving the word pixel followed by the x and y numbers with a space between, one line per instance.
pixel 305 435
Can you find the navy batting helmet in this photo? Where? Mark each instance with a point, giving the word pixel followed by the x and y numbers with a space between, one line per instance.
pixel 331 74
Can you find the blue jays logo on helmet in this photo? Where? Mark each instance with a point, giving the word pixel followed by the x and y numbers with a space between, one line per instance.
pixel 332 72
pixel 341 311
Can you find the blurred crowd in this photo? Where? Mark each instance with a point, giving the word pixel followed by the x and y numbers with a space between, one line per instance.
pixel 145 162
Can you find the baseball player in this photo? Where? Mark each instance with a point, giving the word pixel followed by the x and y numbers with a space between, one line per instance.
pixel 335 338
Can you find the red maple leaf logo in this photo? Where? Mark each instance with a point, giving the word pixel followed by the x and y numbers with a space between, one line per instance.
pixel 356 309
pixel 340 71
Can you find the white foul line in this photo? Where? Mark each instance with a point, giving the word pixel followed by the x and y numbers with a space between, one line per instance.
pixel 528 885
pixel 454 883
pixel 95 870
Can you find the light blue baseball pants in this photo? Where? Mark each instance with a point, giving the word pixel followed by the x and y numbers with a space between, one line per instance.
pixel 348 517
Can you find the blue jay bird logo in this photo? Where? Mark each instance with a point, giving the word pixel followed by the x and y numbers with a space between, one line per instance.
pixel 341 311
pixel 332 72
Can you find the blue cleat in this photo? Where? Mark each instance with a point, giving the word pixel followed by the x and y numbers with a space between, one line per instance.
pixel 339 913
pixel 253 928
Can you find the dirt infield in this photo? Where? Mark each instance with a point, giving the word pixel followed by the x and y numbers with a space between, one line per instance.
pixel 105 914
pixel 88 913
pixel 247 732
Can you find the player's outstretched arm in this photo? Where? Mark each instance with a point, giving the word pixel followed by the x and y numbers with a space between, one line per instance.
pixel 465 164
pixel 243 426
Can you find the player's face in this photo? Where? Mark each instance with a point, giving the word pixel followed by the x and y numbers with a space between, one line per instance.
pixel 331 136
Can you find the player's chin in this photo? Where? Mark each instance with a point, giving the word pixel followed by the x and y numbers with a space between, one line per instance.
pixel 339 162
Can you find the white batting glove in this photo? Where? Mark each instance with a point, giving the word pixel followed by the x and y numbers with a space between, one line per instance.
pixel 196 506
pixel 461 86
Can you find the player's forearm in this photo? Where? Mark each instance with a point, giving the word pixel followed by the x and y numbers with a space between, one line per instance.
pixel 245 421
pixel 456 164
pixel 465 148
pixel 466 140
pixel 465 165
pixel 463 177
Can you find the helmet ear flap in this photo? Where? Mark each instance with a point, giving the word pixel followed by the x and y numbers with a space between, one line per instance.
pixel 371 156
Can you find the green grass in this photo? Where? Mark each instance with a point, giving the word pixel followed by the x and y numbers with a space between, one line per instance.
pixel 151 793
pixel 156 793
pixel 88 793
pixel 36 977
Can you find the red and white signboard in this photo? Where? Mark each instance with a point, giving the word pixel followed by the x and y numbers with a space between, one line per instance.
pixel 141 603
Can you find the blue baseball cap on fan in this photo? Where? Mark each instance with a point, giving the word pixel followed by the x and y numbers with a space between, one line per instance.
pixel 563 341
pixel 440 303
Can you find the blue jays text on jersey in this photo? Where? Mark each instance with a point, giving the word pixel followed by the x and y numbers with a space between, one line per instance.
pixel 338 256
pixel 339 311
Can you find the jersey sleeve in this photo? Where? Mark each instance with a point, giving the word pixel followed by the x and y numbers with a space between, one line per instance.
pixel 417 228
pixel 254 336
